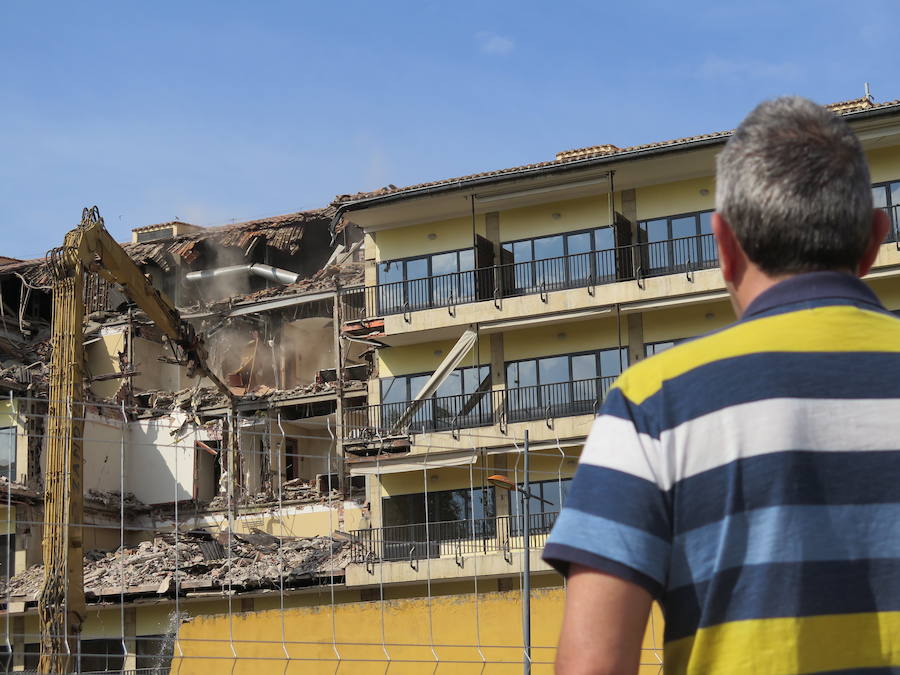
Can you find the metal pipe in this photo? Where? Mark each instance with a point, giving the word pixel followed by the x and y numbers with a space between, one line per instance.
pixel 526 566
pixel 269 272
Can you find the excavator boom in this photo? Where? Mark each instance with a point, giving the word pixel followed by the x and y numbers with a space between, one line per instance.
pixel 87 248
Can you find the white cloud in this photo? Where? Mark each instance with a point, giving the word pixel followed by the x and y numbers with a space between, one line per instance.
pixel 716 67
pixel 491 43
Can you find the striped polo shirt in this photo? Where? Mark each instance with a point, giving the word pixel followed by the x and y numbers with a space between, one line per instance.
pixel 750 480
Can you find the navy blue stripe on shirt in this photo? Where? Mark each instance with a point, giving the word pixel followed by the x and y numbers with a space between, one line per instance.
pixel 784 478
pixel 711 387
pixel 561 557
pixel 626 498
pixel 784 589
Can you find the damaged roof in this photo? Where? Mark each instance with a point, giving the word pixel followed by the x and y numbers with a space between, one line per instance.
pixel 579 156
pixel 283 232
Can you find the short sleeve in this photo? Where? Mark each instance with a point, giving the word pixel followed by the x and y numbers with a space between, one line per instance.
pixel 616 518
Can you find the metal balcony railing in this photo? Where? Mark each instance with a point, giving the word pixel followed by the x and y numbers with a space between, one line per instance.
pixel 894 233
pixel 466 411
pixel 454 538
pixel 580 270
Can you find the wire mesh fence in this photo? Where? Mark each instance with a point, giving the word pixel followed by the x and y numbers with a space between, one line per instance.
pixel 227 541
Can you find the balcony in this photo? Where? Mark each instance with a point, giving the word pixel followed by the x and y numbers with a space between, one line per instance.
pixel 625 263
pixel 481 409
pixel 419 541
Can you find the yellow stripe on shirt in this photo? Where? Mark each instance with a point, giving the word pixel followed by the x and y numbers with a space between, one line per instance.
pixel 787 646
pixel 839 328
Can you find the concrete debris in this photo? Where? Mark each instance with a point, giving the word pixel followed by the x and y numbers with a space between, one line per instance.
pixel 113 498
pixel 256 560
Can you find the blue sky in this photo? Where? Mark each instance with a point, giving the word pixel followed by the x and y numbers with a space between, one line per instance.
pixel 213 111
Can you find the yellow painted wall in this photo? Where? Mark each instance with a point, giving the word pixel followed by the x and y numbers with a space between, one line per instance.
pixel 563 338
pixel 101 356
pixel 440 636
pixel 7 520
pixel 888 290
pixel 669 199
pixel 688 321
pixel 425 357
pixel 884 164
pixel 575 214
pixel 426 238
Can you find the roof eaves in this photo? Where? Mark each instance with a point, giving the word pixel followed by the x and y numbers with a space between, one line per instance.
pixel 637 152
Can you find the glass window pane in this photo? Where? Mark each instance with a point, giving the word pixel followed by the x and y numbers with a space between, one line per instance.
pixel 8 452
pixel 584 384
pixel 655 230
pixel 686 226
pixel 521 251
pixel 604 238
pixel 467 259
pixel 393 389
pixel 390 293
pixel 444 263
pixel 452 386
pixel 390 271
pixel 895 193
pixel 707 243
pixel 548 247
pixel 684 250
pixel 579 262
pixel 610 364
pixel 578 243
pixel 584 366
pixel 550 271
pixel 656 255
pixel 445 281
pixel 553 369
pixel 417 283
pixel 525 374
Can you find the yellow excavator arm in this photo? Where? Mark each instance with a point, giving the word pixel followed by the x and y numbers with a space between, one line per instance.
pixel 87 248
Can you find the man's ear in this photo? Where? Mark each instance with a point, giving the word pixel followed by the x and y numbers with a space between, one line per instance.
pixel 728 247
pixel 880 226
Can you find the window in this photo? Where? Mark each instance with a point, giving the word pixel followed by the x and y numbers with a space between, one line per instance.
pixel 450 518
pixel 100 656
pixel 887 196
pixel 453 405
pixel 677 243
pixel 542 513
pixel 154 652
pixel 7 556
pixel 558 386
pixel 426 281
pixel 652 348
pixel 562 260
pixel 8 452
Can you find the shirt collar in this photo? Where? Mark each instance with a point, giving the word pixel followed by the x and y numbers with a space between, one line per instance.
pixel 810 287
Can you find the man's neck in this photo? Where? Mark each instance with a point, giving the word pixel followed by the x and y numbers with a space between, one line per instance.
pixel 754 282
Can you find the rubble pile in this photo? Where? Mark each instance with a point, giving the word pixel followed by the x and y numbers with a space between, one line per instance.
pixel 113 499
pixel 257 560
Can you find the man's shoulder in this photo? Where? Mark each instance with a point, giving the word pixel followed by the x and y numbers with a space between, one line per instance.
pixel 818 330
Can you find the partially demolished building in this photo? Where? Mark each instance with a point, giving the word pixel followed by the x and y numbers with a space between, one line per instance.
pixel 173 511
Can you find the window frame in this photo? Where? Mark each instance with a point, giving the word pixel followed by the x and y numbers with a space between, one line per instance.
pixel 423 290
pixel 571 271
pixel 892 210
pixel 13 432
pixel 704 257
pixel 427 417
pixel 514 406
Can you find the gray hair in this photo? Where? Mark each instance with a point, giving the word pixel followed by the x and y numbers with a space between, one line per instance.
pixel 793 184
